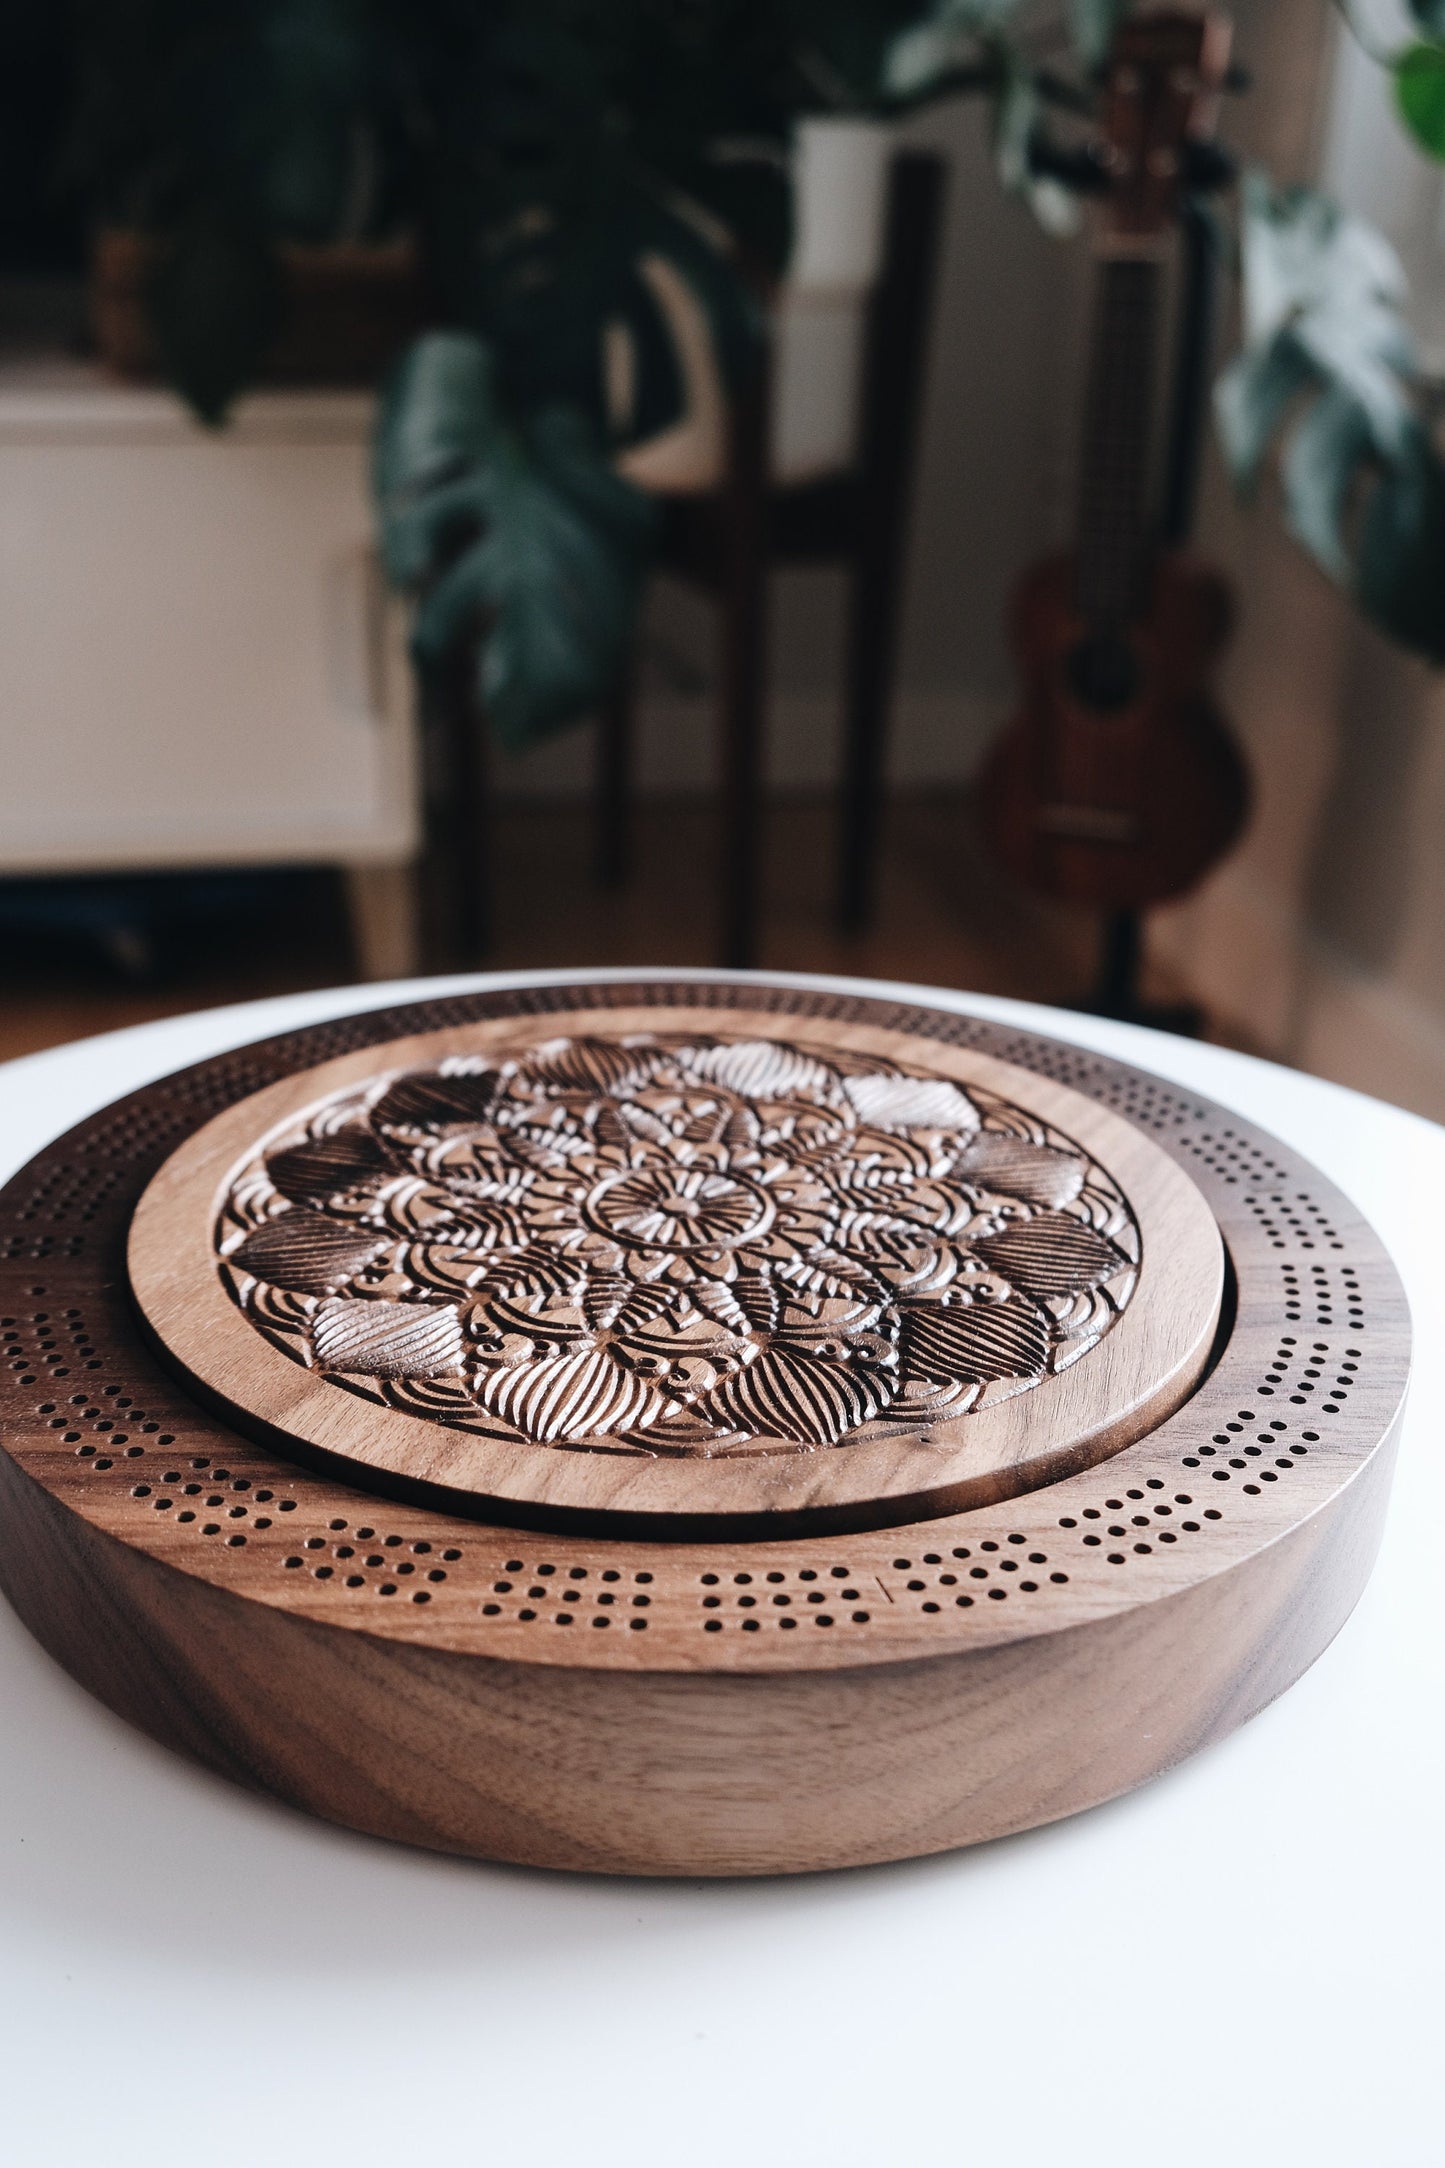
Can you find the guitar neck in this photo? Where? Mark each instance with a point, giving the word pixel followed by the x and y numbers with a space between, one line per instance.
pixel 1113 540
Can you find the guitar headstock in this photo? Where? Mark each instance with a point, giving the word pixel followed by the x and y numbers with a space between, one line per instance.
pixel 1166 73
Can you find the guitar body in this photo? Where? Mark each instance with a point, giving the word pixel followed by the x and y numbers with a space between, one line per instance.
pixel 1123 792
pixel 1117 786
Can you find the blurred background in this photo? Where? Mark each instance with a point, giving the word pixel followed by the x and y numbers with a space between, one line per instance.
pixel 502 486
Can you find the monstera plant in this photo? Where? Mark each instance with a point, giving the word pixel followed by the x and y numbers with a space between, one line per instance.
pixel 548 155
pixel 544 156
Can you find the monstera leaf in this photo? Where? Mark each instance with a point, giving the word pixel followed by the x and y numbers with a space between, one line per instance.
pixel 1401 575
pixel 1420 88
pixel 1092 24
pixel 926 53
pixel 1328 366
pixel 518 530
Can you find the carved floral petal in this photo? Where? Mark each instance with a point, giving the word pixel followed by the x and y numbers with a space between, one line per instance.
pixel 587 1065
pixel 428 1100
pixel 611 1301
pixel 387 1339
pixel 789 1393
pixel 762 1069
pixel 580 1393
pixel 1051 1255
pixel 539 1269
pixel 975 1342
pixel 330 1166
pixel 1010 1166
pixel 306 1252
pixel 911 1102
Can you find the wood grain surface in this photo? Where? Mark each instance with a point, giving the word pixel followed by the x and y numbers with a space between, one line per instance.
pixel 738 1705
pixel 1128 1367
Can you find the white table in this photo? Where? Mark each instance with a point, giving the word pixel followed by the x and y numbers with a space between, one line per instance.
pixel 1240 1964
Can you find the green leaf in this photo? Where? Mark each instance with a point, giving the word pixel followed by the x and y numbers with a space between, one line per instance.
pixel 1015 117
pixel 215 305
pixel 1420 95
pixel 1092 24
pixel 439 414
pixel 1328 448
pixel 1336 287
pixel 521 536
pixel 567 451
pixel 1016 112
pixel 1430 16
pixel 947 37
pixel 1301 252
pixel 733 309
pixel 1251 399
pixel 419 526
pixel 560 576
pixel 1401 577
pixel 917 59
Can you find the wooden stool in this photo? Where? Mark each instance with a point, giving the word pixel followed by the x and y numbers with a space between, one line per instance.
pixel 726 540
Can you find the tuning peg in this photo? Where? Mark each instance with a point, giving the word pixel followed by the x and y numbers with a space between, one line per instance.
pixel 1082 170
pixel 1208 169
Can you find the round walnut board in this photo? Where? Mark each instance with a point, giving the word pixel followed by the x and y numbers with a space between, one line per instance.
pixel 687 1427
pixel 586 1269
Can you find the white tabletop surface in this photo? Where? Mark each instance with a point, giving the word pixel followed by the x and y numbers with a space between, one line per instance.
pixel 1241 1963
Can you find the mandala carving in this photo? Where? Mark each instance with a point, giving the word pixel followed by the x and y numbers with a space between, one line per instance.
pixel 682 1246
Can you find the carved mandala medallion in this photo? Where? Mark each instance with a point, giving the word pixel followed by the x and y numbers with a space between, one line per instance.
pixel 677 1246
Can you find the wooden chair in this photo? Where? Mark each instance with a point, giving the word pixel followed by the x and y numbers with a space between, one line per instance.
pixel 726 541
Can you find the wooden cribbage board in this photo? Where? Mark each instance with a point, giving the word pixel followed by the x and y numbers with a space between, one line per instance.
pixel 687 1427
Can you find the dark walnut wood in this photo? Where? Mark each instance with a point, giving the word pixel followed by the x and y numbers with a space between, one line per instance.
pixel 775 1698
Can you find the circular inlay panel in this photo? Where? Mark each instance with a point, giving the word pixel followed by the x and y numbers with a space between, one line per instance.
pixel 682 1274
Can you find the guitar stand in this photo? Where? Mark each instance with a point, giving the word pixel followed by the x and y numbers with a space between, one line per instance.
pixel 1116 989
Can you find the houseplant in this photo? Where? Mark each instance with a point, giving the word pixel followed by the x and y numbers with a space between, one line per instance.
pixel 536 156
pixel 238 170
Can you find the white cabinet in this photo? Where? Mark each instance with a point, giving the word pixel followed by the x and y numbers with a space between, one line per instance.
pixel 198 663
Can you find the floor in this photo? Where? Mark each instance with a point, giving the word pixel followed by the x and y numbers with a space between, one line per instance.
pixel 944 918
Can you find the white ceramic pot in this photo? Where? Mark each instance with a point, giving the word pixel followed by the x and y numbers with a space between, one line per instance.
pixel 840 178
pixel 840 181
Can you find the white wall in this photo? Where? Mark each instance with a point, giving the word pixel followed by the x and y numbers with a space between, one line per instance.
pixel 1321 939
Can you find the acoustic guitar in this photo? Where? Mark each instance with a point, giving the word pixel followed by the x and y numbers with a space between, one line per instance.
pixel 1117 784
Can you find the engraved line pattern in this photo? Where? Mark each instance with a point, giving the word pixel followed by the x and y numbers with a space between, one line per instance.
pixel 677 1245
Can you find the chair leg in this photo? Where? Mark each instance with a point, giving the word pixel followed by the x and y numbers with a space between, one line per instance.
pixel 382 906
pixel 456 885
pixel 612 835
pixel 867 700
pixel 893 390
pixel 742 784
pixel 744 662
